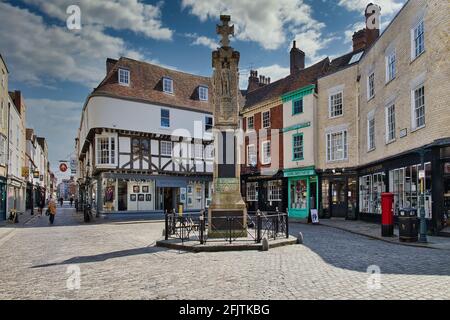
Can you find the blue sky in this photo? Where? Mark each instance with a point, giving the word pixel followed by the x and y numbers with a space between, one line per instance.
pixel 56 68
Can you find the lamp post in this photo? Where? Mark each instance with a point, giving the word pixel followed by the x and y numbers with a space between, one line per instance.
pixel 87 183
pixel 423 223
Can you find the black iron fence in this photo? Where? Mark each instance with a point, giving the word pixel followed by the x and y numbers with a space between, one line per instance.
pixel 260 225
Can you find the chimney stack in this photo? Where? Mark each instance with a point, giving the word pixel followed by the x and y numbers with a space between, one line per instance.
pixel 297 59
pixel 253 81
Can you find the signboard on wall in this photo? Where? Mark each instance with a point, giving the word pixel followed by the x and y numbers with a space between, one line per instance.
pixel 25 172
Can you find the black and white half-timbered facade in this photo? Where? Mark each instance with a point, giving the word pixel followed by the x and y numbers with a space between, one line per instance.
pixel 145 141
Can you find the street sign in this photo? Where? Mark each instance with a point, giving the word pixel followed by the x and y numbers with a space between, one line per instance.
pixel 63 167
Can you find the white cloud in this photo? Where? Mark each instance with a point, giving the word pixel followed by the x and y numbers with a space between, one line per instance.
pixel 116 14
pixel 266 22
pixel 388 7
pixel 203 41
pixel 311 42
pixel 41 55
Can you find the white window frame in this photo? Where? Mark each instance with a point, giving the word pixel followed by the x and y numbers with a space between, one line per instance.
pixel 252 156
pixel 206 123
pixel 203 93
pixel 331 156
pixel 371 131
pixel 371 86
pixel 265 119
pixel 274 190
pixel 3 150
pixel 414 109
pixel 111 152
pixel 167 146
pixel 266 152
pixel 248 123
pixel 168 85
pixel 390 123
pixel 198 151
pixel 252 191
pixel 414 47
pixel 3 79
pixel 124 77
pixel 391 66
pixel 332 107
pixel 161 118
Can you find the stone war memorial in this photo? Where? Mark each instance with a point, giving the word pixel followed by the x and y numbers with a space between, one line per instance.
pixel 227 226
pixel 227 206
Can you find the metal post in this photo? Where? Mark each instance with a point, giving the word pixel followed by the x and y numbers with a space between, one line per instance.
pixel 258 226
pixel 229 226
pixel 166 226
pixel 423 223
pixel 202 224
pixel 287 226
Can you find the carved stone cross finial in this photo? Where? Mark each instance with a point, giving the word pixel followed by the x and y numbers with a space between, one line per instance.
pixel 225 30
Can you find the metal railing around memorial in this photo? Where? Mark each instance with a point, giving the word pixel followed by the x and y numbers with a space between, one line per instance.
pixel 193 227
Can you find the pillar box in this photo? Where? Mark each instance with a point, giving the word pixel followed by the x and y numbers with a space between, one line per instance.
pixel 387 214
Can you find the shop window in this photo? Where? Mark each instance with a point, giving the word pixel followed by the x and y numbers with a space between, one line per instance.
pixel 274 190
pixel 299 197
pixel 405 185
pixel 109 190
pixel 325 196
pixel 370 189
pixel 252 191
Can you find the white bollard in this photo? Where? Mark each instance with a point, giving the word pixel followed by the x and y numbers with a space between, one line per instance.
pixel 265 244
pixel 300 238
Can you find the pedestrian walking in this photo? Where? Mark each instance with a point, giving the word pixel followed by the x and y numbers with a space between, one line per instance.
pixel 51 210
pixel 61 201
pixel 71 202
pixel 41 206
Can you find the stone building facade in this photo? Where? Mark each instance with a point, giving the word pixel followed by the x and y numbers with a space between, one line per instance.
pixel 394 107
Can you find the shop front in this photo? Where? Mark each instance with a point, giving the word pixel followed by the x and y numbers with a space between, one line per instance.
pixel 303 192
pixel 339 194
pixel 2 198
pixel 401 176
pixel 265 193
pixel 116 192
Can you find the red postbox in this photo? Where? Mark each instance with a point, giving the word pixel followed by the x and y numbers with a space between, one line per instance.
pixel 387 214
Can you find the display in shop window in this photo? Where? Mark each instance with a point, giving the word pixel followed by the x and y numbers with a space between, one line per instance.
pixel 148 197
pixel 136 189
pixel 145 189
pixel 141 197
pixel 132 197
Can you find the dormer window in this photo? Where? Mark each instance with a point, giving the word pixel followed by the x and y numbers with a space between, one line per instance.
pixel 124 77
pixel 203 93
pixel 167 85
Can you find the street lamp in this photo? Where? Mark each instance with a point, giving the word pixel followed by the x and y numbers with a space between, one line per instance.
pixel 87 183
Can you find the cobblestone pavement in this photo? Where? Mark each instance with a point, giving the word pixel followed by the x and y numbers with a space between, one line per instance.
pixel 117 260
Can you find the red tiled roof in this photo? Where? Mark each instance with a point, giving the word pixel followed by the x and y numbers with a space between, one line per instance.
pixel 146 85
pixel 293 82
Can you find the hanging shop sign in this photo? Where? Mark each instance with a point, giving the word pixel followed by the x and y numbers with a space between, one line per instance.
pixel 36 174
pixel 63 167
pixel 25 172
pixel 73 165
